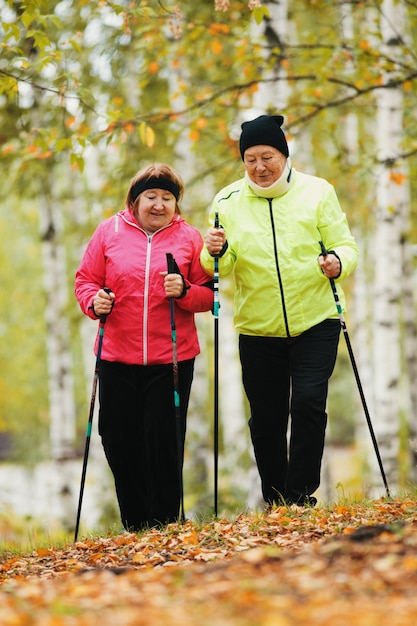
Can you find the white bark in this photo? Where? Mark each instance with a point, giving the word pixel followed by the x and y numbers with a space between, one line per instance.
pixel 359 311
pixel 390 211
pixel 99 491
pixel 62 405
pixel 361 333
pixel 61 392
pixel 236 467
pixel 274 95
pixel 236 439
pixel 409 392
pixel 59 356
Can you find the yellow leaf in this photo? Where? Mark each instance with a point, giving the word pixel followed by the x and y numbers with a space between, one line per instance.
pixel 216 47
pixel 216 29
pixel 201 123
pixel 397 177
pixel 410 563
pixel 190 538
pixel 341 510
pixel 147 135
pixel 70 121
pixel 8 148
pixel 194 135
pixel 44 552
pixel 139 558
pixel 150 137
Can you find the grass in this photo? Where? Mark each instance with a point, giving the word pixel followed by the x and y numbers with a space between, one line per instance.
pixel 24 535
pixel 19 535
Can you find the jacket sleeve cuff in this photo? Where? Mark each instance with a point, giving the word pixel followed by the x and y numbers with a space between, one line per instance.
pixel 222 251
pixel 338 258
pixel 185 287
pixel 91 312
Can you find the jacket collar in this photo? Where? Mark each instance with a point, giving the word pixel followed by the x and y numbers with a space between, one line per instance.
pixel 279 187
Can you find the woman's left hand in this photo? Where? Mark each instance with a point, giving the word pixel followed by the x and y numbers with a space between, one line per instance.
pixel 173 285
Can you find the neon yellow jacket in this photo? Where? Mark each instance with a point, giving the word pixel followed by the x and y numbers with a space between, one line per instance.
pixel 273 245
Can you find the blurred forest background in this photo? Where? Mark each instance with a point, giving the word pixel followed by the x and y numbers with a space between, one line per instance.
pixel 92 91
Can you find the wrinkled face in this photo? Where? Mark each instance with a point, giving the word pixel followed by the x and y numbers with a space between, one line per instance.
pixel 155 209
pixel 264 164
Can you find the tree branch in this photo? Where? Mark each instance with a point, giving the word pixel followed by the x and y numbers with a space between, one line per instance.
pixel 46 88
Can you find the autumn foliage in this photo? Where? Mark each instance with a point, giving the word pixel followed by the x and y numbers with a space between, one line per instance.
pixel 350 565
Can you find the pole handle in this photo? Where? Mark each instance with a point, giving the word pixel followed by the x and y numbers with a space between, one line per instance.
pixel 104 317
pixel 170 263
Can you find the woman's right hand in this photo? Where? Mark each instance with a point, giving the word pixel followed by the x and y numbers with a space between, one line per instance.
pixel 103 302
pixel 214 240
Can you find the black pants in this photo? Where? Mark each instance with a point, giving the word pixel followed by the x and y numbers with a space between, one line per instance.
pixel 138 430
pixel 282 378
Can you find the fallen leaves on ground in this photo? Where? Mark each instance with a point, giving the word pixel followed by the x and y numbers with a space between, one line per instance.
pixel 352 565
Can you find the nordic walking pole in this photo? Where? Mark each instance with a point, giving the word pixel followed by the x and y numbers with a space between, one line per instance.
pixel 355 370
pixel 173 269
pixel 216 372
pixel 90 419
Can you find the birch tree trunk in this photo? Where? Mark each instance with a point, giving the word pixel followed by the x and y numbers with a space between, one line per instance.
pixel 61 393
pixel 390 212
pixel 99 498
pixel 359 311
pixel 410 358
pixel 274 33
pixel 408 307
pixel 237 457
pixel 59 356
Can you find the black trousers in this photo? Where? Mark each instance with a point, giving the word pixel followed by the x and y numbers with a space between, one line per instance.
pixel 283 378
pixel 138 429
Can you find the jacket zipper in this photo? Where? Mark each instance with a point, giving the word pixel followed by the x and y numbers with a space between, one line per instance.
pixel 146 289
pixel 284 309
pixel 145 300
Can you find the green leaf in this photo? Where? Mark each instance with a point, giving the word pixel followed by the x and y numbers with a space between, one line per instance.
pixel 75 44
pixel 63 144
pixel 27 18
pixel 77 160
pixel 259 13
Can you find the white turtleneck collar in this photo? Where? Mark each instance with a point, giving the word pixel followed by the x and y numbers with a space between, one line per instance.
pixel 279 187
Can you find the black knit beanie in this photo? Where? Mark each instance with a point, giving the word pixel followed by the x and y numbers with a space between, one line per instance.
pixel 263 130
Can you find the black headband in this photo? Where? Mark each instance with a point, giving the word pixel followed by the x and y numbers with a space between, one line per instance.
pixel 154 183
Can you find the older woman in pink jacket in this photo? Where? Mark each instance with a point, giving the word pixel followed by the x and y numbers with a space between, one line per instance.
pixel 127 255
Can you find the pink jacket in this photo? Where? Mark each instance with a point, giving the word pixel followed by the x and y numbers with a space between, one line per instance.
pixel 123 257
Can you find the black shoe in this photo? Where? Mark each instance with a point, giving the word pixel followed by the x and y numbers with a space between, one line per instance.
pixel 302 501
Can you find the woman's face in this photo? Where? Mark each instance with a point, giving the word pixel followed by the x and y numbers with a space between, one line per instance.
pixel 155 209
pixel 264 164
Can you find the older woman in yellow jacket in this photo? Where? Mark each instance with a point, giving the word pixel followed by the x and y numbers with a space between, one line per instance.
pixel 271 221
